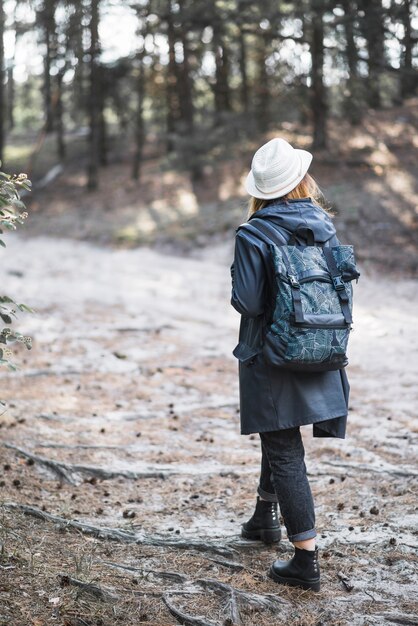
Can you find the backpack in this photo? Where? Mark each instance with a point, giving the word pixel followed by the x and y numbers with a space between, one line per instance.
pixel 310 314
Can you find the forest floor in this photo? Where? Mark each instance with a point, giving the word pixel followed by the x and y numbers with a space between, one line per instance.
pixel 124 479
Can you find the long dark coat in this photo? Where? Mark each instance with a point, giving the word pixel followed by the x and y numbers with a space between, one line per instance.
pixel 272 398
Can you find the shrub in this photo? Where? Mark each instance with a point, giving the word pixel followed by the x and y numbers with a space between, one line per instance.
pixel 12 213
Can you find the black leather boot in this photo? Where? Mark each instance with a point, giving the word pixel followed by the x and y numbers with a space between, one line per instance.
pixel 301 571
pixel 264 524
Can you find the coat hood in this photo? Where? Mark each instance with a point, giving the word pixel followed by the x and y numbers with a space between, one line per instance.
pixel 291 214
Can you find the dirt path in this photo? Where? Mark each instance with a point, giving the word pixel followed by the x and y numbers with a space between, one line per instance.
pixel 121 434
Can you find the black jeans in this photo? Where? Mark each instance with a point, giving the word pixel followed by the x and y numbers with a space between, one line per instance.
pixel 283 479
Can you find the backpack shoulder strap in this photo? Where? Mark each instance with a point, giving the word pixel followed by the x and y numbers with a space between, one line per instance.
pixel 251 228
pixel 265 231
pixel 338 284
pixel 268 232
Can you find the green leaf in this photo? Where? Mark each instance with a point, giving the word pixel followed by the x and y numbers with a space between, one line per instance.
pixel 25 309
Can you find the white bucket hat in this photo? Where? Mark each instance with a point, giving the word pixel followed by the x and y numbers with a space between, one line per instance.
pixel 276 169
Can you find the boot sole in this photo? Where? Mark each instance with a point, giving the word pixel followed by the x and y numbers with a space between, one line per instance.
pixel 295 582
pixel 266 535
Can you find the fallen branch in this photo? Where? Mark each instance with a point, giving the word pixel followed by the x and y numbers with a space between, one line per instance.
pixel 123 536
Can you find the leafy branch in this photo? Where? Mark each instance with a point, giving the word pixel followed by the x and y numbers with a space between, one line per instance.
pixel 12 213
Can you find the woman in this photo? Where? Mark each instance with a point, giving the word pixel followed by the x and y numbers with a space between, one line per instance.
pixel 275 402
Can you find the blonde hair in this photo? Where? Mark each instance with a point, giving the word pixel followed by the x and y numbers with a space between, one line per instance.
pixel 307 188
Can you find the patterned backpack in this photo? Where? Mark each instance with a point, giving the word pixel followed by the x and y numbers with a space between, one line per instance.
pixel 310 315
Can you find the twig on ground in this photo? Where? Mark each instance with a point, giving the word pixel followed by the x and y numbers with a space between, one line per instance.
pixel 101 593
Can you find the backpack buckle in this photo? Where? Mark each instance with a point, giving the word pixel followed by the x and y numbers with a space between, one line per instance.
pixel 293 281
pixel 338 283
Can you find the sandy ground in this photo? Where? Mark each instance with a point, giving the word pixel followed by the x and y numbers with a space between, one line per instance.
pixel 124 417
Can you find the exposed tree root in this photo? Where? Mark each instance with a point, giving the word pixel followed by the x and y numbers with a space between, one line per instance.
pixel 265 601
pixel 393 471
pixel 123 536
pixel 233 609
pixel 399 618
pixel 143 572
pixel 185 618
pixel 74 473
pixel 77 446
pixel 230 595
pixel 237 567
pixel 51 417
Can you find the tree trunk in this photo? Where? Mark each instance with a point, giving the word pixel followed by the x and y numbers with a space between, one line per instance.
pixel 139 119
pixel 80 80
pixel 10 97
pixel 59 119
pixel 94 104
pixel 173 101
pixel 221 88
pixel 373 30
pixel 49 26
pixel 408 76
pixel 243 71
pixel 353 102
pixel 318 94
pixel 185 82
pixel 103 143
pixel 262 91
pixel 2 107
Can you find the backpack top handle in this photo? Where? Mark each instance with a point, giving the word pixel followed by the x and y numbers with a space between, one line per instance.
pixel 300 232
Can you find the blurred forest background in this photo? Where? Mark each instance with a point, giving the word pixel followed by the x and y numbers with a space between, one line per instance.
pixel 148 111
